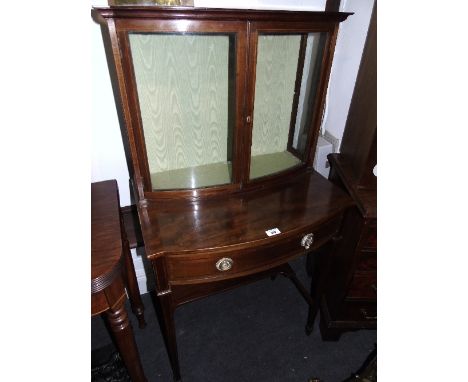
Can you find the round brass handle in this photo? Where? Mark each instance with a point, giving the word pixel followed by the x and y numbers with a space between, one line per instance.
pixel 224 264
pixel 307 240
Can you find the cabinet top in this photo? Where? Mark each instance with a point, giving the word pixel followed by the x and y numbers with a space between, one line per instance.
pixel 217 14
pixel 106 242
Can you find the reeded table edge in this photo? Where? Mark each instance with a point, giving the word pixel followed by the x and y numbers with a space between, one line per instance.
pixel 101 282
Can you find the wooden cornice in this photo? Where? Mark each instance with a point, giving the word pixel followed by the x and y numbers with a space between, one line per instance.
pixel 100 13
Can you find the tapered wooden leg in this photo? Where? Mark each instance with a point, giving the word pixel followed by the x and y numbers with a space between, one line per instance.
pixel 123 335
pixel 313 309
pixel 329 334
pixel 318 263
pixel 132 285
pixel 167 311
pixel 291 275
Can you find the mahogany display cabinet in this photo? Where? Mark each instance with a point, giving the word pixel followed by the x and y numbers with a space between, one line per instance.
pixel 220 112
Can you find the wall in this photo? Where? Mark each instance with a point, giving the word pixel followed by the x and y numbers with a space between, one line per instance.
pixel 108 158
pixel 348 52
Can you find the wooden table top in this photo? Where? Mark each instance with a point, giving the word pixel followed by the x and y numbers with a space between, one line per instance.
pixel 106 242
pixel 239 220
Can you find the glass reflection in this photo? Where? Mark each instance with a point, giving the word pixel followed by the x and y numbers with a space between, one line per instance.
pixel 287 74
pixel 185 85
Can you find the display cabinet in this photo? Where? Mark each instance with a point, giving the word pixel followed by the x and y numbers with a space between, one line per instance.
pixel 220 113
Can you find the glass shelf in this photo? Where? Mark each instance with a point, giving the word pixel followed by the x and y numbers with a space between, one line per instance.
pixel 193 177
pixel 266 164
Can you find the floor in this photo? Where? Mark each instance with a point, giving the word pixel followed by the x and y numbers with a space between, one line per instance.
pixel 253 333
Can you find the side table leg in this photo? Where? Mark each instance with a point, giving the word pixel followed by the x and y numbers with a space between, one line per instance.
pixel 313 309
pixel 318 264
pixel 132 285
pixel 291 275
pixel 329 334
pixel 123 334
pixel 170 333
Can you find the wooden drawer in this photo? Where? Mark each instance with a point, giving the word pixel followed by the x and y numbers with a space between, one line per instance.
pixel 369 239
pixel 363 286
pixel 351 315
pixel 367 261
pixel 200 266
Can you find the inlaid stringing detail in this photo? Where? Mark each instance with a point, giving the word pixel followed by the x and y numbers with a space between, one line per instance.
pixel 182 83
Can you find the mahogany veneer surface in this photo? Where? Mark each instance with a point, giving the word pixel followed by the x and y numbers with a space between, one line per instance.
pixel 106 242
pixel 132 226
pixel 112 271
pixel 174 13
pixel 240 221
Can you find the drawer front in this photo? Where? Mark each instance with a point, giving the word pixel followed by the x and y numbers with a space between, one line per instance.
pixel 227 263
pixel 351 315
pixel 369 239
pixel 363 286
pixel 367 261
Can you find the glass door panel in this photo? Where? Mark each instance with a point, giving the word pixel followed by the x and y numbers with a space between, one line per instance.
pixel 287 74
pixel 186 91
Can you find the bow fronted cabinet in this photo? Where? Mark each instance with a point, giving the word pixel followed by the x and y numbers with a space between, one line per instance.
pixel 220 113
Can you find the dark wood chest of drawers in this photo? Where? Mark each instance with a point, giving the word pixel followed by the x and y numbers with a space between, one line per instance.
pixel 347 300
pixel 346 282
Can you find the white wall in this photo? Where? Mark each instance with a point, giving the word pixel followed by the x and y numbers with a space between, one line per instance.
pixel 108 158
pixel 348 52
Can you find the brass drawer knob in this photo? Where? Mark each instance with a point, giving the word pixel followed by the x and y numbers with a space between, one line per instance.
pixel 307 240
pixel 224 264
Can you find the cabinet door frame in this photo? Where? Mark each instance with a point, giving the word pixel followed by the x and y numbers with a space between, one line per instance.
pixel 133 120
pixel 265 27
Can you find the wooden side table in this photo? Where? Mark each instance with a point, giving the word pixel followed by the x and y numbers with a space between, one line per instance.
pixel 111 271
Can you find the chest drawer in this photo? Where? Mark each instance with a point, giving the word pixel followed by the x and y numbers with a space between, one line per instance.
pixel 363 286
pixel 367 261
pixel 229 262
pixel 369 237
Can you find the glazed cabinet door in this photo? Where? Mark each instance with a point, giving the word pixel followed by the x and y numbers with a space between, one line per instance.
pixel 184 78
pixel 287 78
